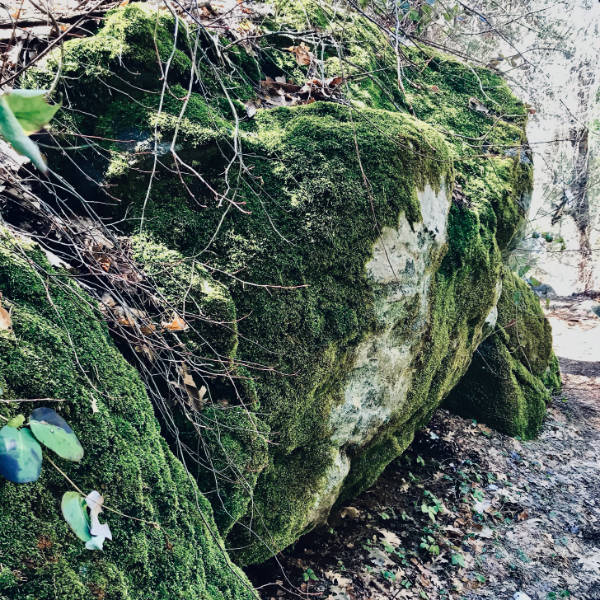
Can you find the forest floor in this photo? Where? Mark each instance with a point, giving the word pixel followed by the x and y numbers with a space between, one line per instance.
pixel 468 513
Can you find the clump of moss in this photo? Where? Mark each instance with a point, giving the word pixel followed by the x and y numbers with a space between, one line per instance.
pixel 60 349
pixel 186 289
pixel 509 382
pixel 521 317
pixel 315 184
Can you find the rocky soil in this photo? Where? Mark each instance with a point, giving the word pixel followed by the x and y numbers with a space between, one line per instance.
pixel 468 513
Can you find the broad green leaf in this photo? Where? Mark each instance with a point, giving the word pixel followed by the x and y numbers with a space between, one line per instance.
pixel 85 526
pixel 20 455
pixel 73 507
pixel 31 109
pixel 12 132
pixel 52 430
pixel 17 421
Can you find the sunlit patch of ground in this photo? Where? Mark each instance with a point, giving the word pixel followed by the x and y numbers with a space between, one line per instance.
pixel 470 513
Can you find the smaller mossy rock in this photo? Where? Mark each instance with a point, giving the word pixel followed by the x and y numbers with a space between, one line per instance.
pixel 500 391
pixel 59 348
pixel 521 317
pixel 514 370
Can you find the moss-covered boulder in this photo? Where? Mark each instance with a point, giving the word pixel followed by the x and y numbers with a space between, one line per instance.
pixel 165 541
pixel 349 251
pixel 514 371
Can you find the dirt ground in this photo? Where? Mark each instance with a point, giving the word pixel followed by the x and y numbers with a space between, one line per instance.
pixel 468 513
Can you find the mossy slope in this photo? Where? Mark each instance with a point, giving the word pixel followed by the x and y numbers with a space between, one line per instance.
pixel 315 189
pixel 60 349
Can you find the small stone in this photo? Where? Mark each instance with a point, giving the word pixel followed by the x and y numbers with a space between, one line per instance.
pixel 521 596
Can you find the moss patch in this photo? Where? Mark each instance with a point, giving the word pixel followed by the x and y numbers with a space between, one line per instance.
pixel 508 384
pixel 60 349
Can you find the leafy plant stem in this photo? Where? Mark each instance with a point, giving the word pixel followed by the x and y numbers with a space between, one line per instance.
pixel 113 510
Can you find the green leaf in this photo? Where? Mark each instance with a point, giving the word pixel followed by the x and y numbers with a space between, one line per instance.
pixel 17 421
pixel 12 132
pixel 73 507
pixel 458 559
pixel 31 109
pixel 22 112
pixel 20 455
pixel 52 430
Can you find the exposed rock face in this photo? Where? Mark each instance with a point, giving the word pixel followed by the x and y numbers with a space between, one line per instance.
pixel 347 299
pixel 380 374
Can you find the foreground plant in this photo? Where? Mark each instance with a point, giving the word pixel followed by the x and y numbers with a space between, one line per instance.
pixel 23 112
pixel 21 462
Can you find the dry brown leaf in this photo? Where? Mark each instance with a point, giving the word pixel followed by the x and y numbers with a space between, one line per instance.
pixel 5 320
pixel 195 395
pixel 175 324
pixel 303 54
pixel 126 320
pixel 334 81
pixel 105 262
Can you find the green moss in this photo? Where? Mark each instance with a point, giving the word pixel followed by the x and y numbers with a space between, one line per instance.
pixel 499 391
pixel 235 451
pixel 285 251
pixel 509 382
pixel 521 317
pixel 60 349
pixel 551 377
pixel 186 289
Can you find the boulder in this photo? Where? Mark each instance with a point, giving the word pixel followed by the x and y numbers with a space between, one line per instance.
pixel 165 541
pixel 343 256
